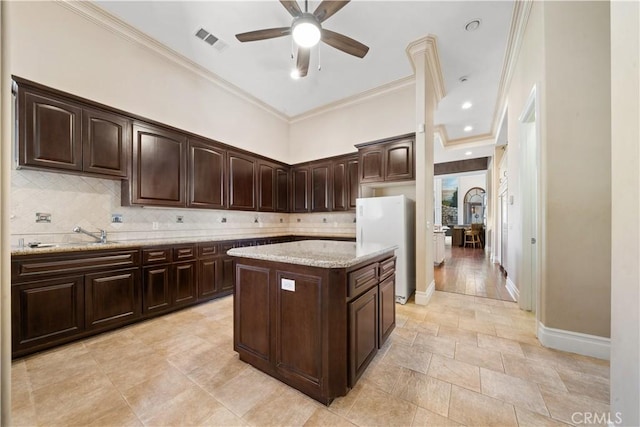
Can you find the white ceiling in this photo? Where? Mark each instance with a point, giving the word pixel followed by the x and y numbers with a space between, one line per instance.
pixel 262 68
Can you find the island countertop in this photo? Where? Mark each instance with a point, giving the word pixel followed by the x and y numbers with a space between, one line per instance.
pixel 314 253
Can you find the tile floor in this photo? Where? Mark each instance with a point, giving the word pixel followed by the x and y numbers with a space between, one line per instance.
pixel 469 271
pixel 461 360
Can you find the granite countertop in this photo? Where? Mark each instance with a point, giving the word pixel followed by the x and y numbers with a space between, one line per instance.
pixel 314 253
pixel 124 244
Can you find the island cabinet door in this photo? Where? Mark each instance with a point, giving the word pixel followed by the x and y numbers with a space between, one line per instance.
pixel 251 313
pixel 299 328
pixel 363 333
pixel 387 300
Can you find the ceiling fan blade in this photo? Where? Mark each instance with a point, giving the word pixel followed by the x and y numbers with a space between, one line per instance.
pixel 302 63
pixel 292 7
pixel 344 43
pixel 327 8
pixel 269 33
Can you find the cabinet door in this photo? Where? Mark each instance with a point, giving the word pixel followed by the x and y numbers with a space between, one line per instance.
pixel 371 164
pixel 208 278
pixel 155 289
pixel 106 140
pixel 398 160
pixel 387 300
pixel 46 312
pixel 353 184
pixel 158 166
pixel 363 333
pixel 206 179
pixel 266 187
pixel 184 283
pixel 252 312
pixel 50 132
pixel 242 182
pixel 282 190
pixel 227 284
pixel 321 188
pixel 112 298
pixel 340 187
pixel 300 190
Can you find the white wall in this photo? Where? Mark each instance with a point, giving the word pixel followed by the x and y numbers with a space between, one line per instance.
pixel 56 46
pixel 625 186
pixel 336 131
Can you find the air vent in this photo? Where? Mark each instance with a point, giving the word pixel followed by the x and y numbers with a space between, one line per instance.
pixel 210 39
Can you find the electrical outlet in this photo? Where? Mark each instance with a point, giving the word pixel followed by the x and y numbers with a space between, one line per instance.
pixel 43 217
pixel 224 220
pixel 179 219
pixel 155 225
pixel 116 218
pixel 255 220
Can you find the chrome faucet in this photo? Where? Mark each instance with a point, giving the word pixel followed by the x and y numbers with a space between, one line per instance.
pixel 102 238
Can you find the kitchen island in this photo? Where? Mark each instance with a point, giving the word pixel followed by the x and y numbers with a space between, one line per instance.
pixel 313 314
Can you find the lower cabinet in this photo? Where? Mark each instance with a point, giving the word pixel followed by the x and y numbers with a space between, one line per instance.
pixel 363 333
pixel 155 288
pixel 387 312
pixel 112 298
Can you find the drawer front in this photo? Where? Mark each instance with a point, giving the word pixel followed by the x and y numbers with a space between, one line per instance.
pixel 184 253
pixel 207 249
pixel 362 279
pixel 387 267
pixel 156 256
pixel 46 266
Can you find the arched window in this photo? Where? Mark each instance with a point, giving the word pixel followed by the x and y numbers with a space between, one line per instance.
pixel 474 206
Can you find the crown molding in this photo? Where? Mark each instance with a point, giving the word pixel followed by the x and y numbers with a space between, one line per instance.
pixel 429 47
pixel 104 19
pixel 356 99
pixel 519 18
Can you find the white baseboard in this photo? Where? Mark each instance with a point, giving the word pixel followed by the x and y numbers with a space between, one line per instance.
pixel 513 289
pixel 574 342
pixel 423 298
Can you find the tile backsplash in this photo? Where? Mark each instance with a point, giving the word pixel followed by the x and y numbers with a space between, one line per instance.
pixel 90 203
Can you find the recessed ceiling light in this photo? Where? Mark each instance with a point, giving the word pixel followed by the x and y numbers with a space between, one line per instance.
pixel 295 74
pixel 468 153
pixel 466 105
pixel 468 128
pixel 472 25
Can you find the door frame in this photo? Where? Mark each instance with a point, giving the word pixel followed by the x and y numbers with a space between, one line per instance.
pixel 531 190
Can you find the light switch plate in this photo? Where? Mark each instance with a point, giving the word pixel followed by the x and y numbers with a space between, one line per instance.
pixel 288 285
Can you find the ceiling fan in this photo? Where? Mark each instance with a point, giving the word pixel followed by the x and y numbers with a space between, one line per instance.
pixel 307 31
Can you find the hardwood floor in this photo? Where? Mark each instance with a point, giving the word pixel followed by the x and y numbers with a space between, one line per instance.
pixel 470 271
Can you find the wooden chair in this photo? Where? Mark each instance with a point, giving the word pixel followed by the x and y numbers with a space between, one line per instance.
pixel 472 236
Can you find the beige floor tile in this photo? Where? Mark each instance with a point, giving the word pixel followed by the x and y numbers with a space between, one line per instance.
pixel 455 372
pixel 133 372
pixel 512 390
pixel 593 366
pixel 45 374
pixel 218 372
pixel 479 326
pixel 383 375
pixel 481 357
pixel 190 408
pixel 424 326
pixel 425 418
pixel 403 336
pixel 503 345
pixel 342 405
pixel 436 345
pixel 122 416
pixel 245 391
pixel 495 319
pixel 223 417
pixel 532 370
pixel 424 391
pixel 285 406
pixel 374 407
pixel 474 409
pixel 322 417
pixel 532 419
pixel 458 335
pixel 563 406
pixel 414 358
pixel 585 384
pixel 548 355
pixel 201 355
pixel 515 334
pixel 443 319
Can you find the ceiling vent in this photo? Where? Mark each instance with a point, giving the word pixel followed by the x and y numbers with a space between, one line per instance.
pixel 210 39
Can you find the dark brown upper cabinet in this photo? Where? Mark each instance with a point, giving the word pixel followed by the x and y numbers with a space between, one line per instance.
pixel 345 183
pixel 57 133
pixel 300 183
pixel 282 189
pixel 321 187
pixel 242 181
pixel 206 175
pixel 266 187
pixel 158 167
pixel 389 160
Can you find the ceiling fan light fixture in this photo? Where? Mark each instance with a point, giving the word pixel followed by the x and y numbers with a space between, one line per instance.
pixel 306 30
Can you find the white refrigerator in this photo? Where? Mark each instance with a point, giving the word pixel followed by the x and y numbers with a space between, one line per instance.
pixel 391 220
